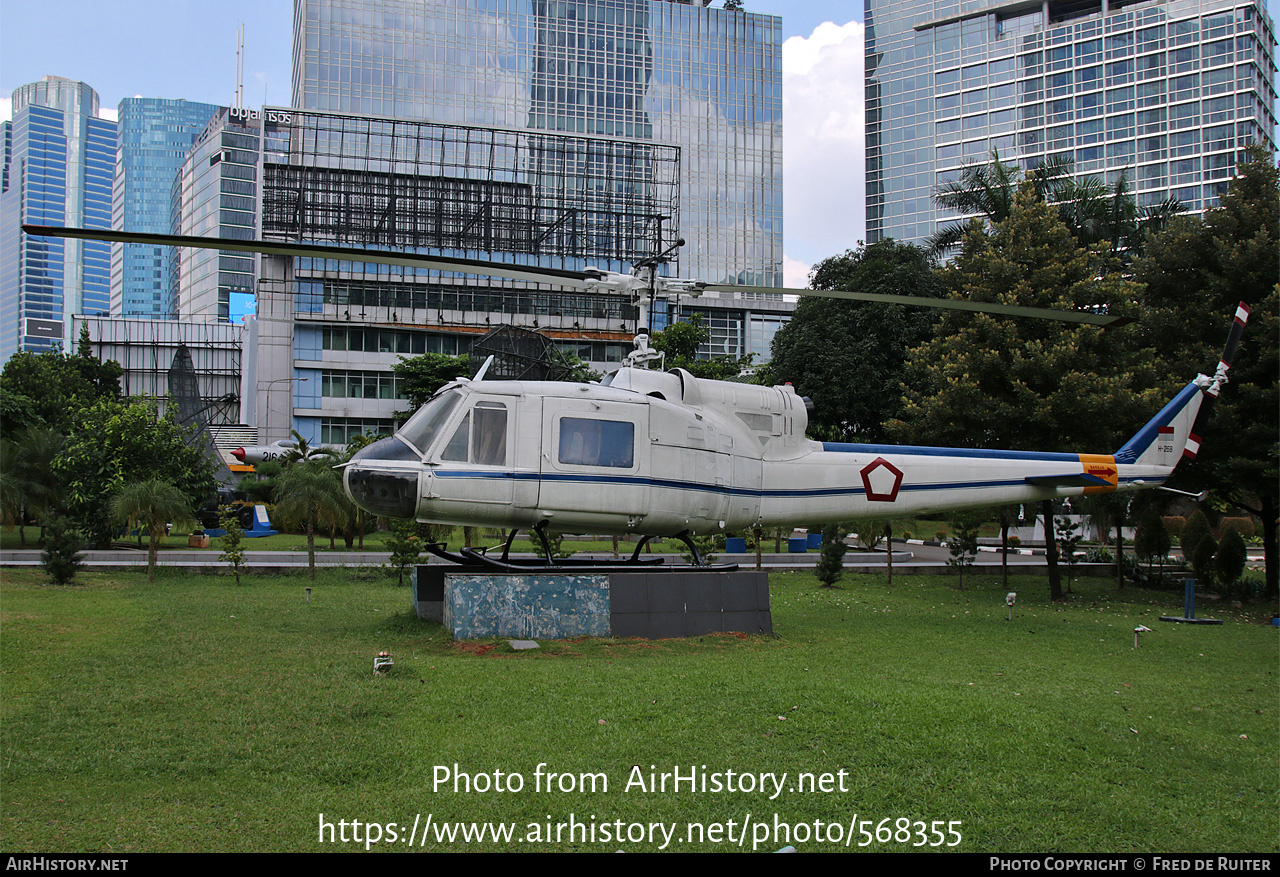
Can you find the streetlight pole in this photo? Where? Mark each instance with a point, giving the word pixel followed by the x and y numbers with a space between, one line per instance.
pixel 278 421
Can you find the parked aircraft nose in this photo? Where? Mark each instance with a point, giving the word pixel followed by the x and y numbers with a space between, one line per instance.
pixel 383 478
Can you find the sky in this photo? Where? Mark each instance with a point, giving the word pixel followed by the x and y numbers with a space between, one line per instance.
pixel 187 49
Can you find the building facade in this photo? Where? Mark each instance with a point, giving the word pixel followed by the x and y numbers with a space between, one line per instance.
pixel 327 333
pixel 1169 92
pixel 552 134
pixel 708 81
pixel 59 163
pixel 153 137
pixel 214 193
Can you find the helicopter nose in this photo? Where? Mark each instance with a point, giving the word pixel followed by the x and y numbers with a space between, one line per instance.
pixel 383 478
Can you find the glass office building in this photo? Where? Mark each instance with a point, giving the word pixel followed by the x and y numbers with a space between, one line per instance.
pixel 678 73
pixel 153 137
pixel 59 164
pixel 1168 91
pixel 214 193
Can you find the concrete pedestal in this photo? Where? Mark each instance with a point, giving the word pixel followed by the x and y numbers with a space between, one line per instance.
pixel 652 604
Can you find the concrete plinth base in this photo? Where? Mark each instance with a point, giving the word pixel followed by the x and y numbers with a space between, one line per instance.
pixel 650 604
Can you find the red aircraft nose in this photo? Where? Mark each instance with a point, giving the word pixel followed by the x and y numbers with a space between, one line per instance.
pixel 238 453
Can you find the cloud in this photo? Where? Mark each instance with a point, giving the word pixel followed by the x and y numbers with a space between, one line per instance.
pixel 794 274
pixel 824 144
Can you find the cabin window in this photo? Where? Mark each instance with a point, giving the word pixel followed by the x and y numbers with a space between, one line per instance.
pixel 424 425
pixel 608 443
pixel 486 443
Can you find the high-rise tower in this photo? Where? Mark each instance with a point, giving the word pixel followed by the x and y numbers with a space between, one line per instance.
pixel 59 160
pixel 1170 91
pixel 680 73
pixel 153 138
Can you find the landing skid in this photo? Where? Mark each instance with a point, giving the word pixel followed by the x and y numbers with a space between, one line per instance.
pixel 470 557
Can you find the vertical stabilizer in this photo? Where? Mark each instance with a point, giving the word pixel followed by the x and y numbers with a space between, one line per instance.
pixel 1162 441
pixel 1176 431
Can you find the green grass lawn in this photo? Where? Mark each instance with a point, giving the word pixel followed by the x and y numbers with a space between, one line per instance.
pixel 194 714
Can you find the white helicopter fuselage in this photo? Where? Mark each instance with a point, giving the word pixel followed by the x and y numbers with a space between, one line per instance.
pixel 661 453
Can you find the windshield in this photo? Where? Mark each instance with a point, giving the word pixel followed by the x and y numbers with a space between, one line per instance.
pixel 423 426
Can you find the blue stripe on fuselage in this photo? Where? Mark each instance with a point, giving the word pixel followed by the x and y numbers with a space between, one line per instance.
pixel 636 480
pixel 918 451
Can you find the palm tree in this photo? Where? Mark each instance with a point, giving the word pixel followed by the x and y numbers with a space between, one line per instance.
pixel 311 494
pixel 152 504
pixel 304 452
pixel 28 482
pixel 1093 210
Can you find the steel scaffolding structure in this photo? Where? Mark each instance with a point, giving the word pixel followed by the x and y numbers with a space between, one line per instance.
pixel 415 185
pixel 146 349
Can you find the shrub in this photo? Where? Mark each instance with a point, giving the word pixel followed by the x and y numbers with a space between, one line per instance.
pixel 1229 562
pixel 232 542
pixel 1193 533
pixel 831 561
pixel 62 556
pixel 1244 526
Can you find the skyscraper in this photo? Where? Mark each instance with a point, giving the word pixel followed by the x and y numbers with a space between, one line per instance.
pixel 214 193
pixel 59 163
pixel 1169 91
pixel 680 73
pixel 153 138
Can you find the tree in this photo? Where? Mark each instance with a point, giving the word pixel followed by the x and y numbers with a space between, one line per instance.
pixel 311 495
pixel 420 377
pixel 1193 533
pixel 232 540
pixel 962 542
pixel 848 356
pixel 987 381
pixel 1069 537
pixel 1195 272
pixel 29 486
pixel 1151 537
pixel 1107 511
pixel 1229 562
pixel 303 450
pixel 830 564
pixel 150 504
pixel 1006 516
pixel 51 386
pixel 405 543
pixel 681 342
pixel 62 556
pixel 112 444
pixel 1092 211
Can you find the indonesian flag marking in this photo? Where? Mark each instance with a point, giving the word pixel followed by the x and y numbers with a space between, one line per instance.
pixel 1193 446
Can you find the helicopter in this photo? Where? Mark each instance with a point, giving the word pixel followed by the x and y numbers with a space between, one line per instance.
pixel 665 454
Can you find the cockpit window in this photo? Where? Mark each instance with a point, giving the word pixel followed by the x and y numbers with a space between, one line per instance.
pixel 486 443
pixel 597 442
pixel 424 425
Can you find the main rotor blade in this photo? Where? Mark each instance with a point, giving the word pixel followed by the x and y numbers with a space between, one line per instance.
pixel 323 251
pixel 1104 320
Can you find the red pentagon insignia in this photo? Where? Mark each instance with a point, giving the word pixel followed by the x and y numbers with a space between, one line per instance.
pixel 881 480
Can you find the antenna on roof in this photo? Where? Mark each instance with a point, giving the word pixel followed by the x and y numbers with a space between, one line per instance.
pixel 240 67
